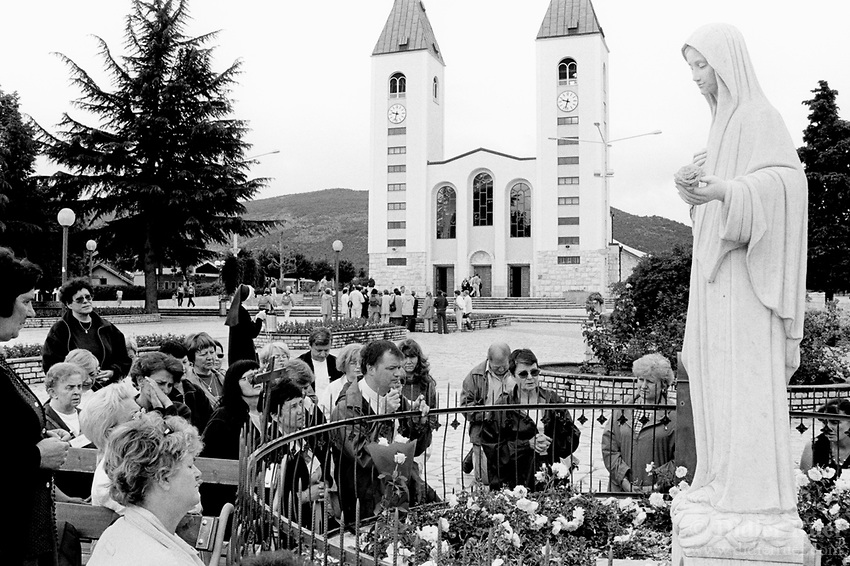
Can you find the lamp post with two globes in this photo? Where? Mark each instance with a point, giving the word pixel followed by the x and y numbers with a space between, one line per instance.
pixel 66 218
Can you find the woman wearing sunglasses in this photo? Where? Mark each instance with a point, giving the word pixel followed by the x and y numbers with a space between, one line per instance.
pixel 830 448
pixel 81 327
pixel 519 442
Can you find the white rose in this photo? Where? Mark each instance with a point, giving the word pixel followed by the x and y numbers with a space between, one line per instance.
pixel 674 491
pixel 817 525
pixel 841 525
pixel 556 527
pixel 560 470
pixel 681 472
pixel 540 476
pixel 527 505
pixel 444 524
pixel 639 519
pixel 399 458
pixel 383 442
pixel 520 491
pixel 623 538
pixel 650 467
pixel 834 510
pixel 578 513
pixel 515 540
pixel 452 500
pixel 497 562
pixel 802 480
pixel 541 520
pixel 401 439
pixel 828 473
pixel 842 484
pixel 428 534
pixel 656 499
pixel 626 504
pixel 814 474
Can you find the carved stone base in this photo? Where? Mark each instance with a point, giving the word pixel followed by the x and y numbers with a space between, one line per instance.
pixel 704 536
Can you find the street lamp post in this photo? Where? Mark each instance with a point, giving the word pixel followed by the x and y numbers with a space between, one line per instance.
pixel 91 246
pixel 66 218
pixel 337 246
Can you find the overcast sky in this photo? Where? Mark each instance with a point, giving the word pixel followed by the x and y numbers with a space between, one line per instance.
pixel 306 64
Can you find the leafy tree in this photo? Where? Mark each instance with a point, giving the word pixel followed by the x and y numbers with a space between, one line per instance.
pixel 826 158
pixel 27 213
pixel 164 170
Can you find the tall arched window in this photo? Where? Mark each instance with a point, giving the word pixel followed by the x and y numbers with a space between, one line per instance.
pixel 520 211
pixel 398 85
pixel 482 200
pixel 446 213
pixel 567 71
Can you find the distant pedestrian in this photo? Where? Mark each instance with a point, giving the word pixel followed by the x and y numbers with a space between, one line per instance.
pixel 190 292
pixel 327 307
pixel 441 303
pixel 395 308
pixel 408 310
pixel 386 301
pixel 119 296
pixel 458 306
pixel 428 313
pixel 181 291
pixel 287 301
pixel 375 306
pixel 467 311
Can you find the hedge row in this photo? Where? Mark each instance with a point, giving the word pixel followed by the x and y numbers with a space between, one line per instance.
pixel 137 292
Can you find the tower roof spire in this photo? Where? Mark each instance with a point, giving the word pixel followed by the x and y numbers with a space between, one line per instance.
pixel 569 17
pixel 408 29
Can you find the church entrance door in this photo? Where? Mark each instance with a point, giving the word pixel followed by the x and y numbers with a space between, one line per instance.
pixel 444 279
pixel 519 281
pixel 485 272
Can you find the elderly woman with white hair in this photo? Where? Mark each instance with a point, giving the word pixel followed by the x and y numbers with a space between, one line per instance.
pixel 107 408
pixel 636 439
pixel 347 362
pixel 150 462
pixel 277 351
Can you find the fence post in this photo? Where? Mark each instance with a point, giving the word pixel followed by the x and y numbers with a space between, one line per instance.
pixel 686 450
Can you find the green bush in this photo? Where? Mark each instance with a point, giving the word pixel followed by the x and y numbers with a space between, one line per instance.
pixel 34 350
pixel 824 349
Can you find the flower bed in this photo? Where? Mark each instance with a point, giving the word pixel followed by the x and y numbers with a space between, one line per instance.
pixel 824 505
pixel 551 525
pixel 296 335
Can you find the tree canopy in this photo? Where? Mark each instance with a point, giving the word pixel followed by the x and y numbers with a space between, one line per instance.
pixel 826 158
pixel 163 173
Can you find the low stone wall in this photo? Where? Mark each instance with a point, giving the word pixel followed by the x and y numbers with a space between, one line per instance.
pixel 591 388
pixel 340 338
pixel 477 323
pixel 47 322
pixel 28 369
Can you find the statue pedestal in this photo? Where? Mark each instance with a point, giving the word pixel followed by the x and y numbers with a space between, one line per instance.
pixel 799 552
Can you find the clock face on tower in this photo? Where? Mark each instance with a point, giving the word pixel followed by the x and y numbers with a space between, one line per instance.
pixel 396 114
pixel 567 101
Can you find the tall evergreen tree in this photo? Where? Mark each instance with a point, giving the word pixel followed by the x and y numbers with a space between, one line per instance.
pixel 25 205
pixel 826 158
pixel 164 170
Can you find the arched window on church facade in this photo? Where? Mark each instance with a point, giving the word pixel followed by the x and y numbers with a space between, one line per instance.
pixel 520 206
pixel 446 213
pixel 398 85
pixel 482 200
pixel 567 71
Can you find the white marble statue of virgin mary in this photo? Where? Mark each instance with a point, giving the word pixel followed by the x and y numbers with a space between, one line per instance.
pixel 745 313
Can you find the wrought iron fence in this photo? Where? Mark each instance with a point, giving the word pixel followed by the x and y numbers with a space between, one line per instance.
pixel 332 529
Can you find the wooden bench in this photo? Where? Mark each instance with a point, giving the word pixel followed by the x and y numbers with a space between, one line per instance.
pixel 205 534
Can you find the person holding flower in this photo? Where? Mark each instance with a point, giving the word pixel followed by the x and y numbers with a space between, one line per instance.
pixel 518 442
pixel 378 393
pixel 830 448
pixel 639 445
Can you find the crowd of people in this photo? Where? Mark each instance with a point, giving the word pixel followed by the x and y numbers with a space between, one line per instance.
pixel 150 414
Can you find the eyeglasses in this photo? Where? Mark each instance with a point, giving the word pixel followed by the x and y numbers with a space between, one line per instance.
pixel 83 299
pixel 533 373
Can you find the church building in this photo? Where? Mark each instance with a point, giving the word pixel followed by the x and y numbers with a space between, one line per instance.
pixel 536 226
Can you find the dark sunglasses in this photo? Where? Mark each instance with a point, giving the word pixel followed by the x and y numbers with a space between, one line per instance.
pixel 533 373
pixel 83 299
pixel 219 356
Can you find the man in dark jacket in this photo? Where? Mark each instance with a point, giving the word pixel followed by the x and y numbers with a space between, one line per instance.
pixel 81 327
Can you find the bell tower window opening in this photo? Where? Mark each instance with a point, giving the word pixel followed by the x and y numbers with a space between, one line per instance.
pixel 567 72
pixel 398 85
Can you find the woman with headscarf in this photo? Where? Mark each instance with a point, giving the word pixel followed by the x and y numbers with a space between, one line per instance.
pixel 243 330
pixel 748 197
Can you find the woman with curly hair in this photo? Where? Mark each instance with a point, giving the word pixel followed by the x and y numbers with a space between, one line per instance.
pixel 151 464
pixel 417 376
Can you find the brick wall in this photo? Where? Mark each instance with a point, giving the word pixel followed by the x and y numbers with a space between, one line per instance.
pixel 114 319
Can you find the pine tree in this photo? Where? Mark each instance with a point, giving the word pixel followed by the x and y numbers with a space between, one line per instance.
pixel 826 159
pixel 25 205
pixel 164 170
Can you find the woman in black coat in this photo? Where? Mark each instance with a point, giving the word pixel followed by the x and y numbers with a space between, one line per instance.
pixel 243 330
pixel 29 537
pixel 221 436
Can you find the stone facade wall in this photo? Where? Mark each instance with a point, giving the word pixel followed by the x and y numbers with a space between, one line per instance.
pixel 555 280
pixel 47 322
pixel 414 275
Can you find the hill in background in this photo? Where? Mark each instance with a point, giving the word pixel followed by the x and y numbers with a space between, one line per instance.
pixel 650 234
pixel 312 221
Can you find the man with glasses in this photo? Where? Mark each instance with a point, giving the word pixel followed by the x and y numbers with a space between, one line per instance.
pixel 81 327
pixel 484 384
